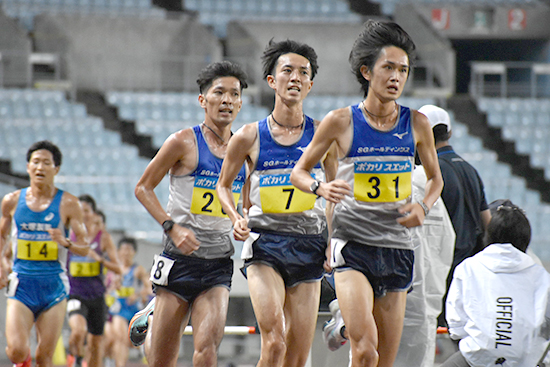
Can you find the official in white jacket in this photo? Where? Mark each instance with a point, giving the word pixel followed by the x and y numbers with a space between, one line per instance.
pixel 498 300
pixel 434 244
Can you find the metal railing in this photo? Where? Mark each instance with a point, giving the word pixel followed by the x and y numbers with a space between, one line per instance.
pixel 510 79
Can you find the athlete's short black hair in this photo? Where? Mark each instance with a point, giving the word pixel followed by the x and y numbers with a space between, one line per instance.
pixel 274 50
pixel 220 69
pixel 88 199
pixel 128 241
pixel 49 146
pixel 441 133
pixel 509 224
pixel 367 47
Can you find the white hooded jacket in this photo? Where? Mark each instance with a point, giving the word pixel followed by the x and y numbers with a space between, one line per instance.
pixel 434 244
pixel 498 306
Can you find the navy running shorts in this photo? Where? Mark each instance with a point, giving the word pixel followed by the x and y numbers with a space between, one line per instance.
pixel 190 276
pixel 387 269
pixel 297 258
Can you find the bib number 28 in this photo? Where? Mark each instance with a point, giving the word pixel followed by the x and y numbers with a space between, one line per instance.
pixel 161 270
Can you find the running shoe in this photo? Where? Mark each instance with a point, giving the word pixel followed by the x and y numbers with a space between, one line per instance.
pixel 137 330
pixel 73 361
pixel 26 363
pixel 334 328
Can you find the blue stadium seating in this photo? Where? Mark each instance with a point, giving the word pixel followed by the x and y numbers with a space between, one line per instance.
pixel 518 119
pixel 218 13
pixel 98 163
pixel 26 10
pixel 95 160
pixel 161 114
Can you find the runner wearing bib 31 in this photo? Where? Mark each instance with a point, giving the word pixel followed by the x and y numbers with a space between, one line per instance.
pixel 375 142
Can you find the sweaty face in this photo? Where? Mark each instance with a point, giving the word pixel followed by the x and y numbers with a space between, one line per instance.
pixel 389 74
pixel 41 166
pixel 222 101
pixel 292 79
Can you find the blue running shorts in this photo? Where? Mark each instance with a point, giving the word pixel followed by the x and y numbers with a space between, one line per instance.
pixel 297 258
pixel 387 269
pixel 190 276
pixel 38 293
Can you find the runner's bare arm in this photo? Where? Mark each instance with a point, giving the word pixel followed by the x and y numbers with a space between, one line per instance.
pixel 428 156
pixel 240 147
pixel 72 216
pixel 331 130
pixel 178 153
pixel 9 202
pixel 108 246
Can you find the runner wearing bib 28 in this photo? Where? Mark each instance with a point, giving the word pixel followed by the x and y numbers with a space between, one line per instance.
pixel 192 276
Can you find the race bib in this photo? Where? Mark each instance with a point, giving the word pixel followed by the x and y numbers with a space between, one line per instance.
pixel 84 269
pixel 205 199
pixel 125 292
pixel 110 300
pixel 36 250
pixel 382 182
pixel 161 270
pixel 278 195
pixel 73 305
pixel 13 282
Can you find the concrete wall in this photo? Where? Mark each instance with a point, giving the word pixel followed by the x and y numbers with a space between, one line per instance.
pixel 104 53
pixel 15 47
pixel 433 50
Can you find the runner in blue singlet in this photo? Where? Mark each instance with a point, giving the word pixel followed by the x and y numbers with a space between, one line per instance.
pixel 42 216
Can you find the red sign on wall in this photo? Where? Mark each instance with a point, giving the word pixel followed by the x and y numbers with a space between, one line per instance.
pixel 441 18
pixel 517 19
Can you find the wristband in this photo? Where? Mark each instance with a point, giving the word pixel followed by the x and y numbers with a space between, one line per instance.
pixel 424 207
pixel 69 242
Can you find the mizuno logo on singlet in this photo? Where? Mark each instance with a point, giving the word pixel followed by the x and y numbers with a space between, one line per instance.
pixel 400 136
pixel 301 149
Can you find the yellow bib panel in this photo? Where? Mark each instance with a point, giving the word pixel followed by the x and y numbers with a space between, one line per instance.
pixel 37 250
pixel 278 195
pixel 383 182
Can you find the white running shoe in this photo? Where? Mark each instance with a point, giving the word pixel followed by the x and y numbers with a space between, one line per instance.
pixel 334 328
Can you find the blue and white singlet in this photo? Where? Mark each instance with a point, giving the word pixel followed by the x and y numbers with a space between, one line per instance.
pixel 193 203
pixel 34 252
pixel 277 205
pixel 378 167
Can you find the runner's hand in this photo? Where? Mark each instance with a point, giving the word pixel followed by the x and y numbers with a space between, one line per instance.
pixel 184 239
pixel 334 191
pixel 414 215
pixel 241 230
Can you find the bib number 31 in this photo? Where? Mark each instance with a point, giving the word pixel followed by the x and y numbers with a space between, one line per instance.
pixel 384 182
pixel 161 270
